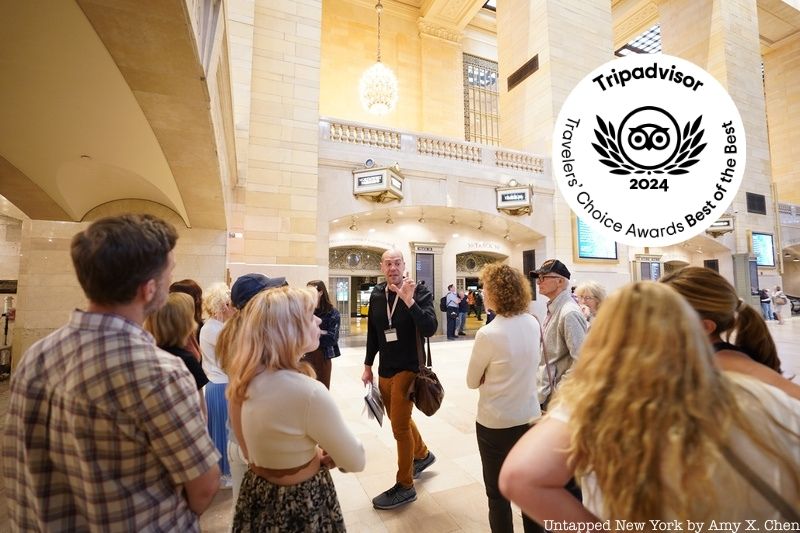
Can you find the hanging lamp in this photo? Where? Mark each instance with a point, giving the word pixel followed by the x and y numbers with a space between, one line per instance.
pixel 378 84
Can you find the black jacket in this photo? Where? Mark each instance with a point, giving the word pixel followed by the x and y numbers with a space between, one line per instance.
pixel 401 354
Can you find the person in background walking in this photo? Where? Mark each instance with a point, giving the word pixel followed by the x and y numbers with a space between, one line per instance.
pixel 766 307
pixel 779 300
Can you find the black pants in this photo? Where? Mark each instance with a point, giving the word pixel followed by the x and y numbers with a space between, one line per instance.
pixel 452 318
pixel 494 445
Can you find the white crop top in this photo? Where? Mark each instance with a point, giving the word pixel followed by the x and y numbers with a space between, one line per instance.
pixel 287 414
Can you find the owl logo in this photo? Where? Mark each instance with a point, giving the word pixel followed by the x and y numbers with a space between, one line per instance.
pixel 649 141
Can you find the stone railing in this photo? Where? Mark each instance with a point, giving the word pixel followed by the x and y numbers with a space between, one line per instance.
pixel 789 214
pixel 449 149
pixel 430 146
pixel 356 134
pixel 519 161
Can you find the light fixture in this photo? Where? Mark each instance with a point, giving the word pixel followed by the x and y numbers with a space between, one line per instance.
pixel 452 219
pixel 512 182
pixel 796 259
pixel 507 236
pixel 378 84
pixel 456 235
pixel 353 226
pixel 421 218
pixel 480 226
pixel 389 218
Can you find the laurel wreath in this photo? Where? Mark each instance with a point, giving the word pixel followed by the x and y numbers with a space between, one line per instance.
pixel 685 157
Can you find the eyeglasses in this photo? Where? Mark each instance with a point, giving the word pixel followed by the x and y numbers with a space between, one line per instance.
pixel 586 298
pixel 540 278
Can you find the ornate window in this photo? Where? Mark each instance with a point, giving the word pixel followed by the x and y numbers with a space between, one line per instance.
pixel 481 101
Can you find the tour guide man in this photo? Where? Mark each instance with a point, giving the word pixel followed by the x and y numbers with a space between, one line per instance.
pixel 400 314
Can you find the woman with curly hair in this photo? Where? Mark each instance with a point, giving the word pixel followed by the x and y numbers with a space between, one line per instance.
pixel 654 429
pixel 502 367
pixel 726 317
pixel 284 419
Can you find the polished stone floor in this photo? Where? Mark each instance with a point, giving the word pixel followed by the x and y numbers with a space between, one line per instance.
pixel 451 493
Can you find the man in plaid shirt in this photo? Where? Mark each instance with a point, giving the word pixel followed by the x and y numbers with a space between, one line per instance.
pixel 104 430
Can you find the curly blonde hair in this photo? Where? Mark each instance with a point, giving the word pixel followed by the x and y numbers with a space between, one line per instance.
pixel 715 299
pixel 508 289
pixel 215 297
pixel 272 333
pixel 646 393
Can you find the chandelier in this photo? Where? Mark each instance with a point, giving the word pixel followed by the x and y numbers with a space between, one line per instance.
pixel 378 85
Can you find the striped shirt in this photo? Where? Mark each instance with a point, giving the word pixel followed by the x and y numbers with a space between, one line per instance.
pixel 103 428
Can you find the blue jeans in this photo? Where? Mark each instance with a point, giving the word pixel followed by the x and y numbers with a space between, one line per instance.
pixel 462 321
pixel 766 310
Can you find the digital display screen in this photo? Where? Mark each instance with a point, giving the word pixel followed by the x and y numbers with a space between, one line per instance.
pixel 764 249
pixel 593 245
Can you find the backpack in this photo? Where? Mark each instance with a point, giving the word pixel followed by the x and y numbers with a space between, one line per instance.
pixel 443 304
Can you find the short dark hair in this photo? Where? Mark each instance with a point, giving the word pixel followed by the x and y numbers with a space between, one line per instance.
pixel 115 255
pixel 325 304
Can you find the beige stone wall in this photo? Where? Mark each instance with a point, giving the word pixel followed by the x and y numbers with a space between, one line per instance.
pixel 428 69
pixel 276 208
pixel 10 237
pixel 49 290
pixel 782 73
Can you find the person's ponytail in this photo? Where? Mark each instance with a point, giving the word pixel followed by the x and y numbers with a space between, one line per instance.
pixel 753 337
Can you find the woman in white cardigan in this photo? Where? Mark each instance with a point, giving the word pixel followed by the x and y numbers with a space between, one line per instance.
pixel 502 367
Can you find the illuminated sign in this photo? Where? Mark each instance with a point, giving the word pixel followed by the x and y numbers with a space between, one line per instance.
pixel 593 244
pixel 764 249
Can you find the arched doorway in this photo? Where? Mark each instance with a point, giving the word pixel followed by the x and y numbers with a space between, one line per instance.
pixel 353 271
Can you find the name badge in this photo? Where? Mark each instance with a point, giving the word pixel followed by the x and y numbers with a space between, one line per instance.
pixel 391 335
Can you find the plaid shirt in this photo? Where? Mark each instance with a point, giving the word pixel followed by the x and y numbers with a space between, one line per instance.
pixel 102 430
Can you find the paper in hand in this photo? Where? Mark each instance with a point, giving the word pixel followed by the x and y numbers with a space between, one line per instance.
pixel 374 403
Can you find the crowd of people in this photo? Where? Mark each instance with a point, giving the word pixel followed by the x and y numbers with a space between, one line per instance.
pixel 660 400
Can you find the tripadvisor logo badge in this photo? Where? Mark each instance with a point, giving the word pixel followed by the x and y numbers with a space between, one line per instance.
pixel 649 150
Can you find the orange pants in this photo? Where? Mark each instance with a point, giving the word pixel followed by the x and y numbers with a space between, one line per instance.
pixel 394 391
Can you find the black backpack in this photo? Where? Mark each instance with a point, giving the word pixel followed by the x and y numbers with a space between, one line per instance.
pixel 443 304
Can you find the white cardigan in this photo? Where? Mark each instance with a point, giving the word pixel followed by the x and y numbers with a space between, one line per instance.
pixel 506 352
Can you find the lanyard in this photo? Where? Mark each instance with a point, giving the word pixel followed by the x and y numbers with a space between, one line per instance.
pixel 394 305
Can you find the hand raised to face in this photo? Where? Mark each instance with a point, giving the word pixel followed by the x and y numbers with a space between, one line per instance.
pixel 406 290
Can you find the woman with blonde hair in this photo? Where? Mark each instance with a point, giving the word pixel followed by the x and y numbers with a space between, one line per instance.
pixel 726 317
pixel 217 305
pixel 503 367
pixel 653 429
pixel 284 419
pixel 590 295
pixel 171 326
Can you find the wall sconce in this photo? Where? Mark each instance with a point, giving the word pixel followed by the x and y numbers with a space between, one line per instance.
pixel 353 226
pixel 389 218
pixel 452 219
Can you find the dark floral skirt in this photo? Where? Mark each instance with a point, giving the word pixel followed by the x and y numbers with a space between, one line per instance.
pixel 308 506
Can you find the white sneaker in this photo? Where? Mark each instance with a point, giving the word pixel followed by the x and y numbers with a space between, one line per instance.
pixel 226 482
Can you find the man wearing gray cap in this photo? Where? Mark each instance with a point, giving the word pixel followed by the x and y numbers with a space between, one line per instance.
pixel 564 327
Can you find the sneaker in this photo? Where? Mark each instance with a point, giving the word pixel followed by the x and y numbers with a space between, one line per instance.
pixel 226 482
pixel 394 497
pixel 462 333
pixel 422 464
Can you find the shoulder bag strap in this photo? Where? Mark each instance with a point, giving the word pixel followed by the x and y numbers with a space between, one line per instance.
pixel 763 488
pixel 430 361
pixel 420 347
